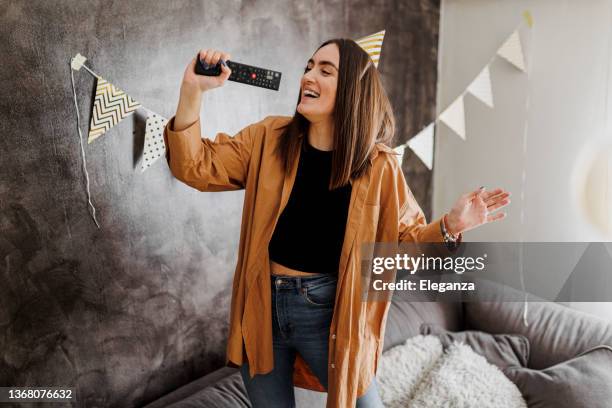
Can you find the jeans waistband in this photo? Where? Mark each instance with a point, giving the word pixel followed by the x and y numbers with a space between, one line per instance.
pixel 288 281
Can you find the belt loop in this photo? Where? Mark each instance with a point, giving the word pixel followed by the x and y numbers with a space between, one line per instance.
pixel 298 281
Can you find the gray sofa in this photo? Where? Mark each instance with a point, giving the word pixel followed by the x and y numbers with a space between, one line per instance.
pixel 556 334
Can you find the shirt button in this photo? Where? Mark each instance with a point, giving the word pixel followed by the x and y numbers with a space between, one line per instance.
pixel 334 336
pixel 333 365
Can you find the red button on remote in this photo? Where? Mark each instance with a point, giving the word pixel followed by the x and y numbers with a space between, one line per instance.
pixel 253 75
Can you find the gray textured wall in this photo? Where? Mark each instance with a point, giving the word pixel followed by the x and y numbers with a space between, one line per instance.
pixel 139 307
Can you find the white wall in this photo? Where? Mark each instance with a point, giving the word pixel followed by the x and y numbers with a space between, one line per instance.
pixel 531 142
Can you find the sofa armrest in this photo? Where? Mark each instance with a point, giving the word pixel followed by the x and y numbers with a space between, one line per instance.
pixel 556 333
pixel 193 387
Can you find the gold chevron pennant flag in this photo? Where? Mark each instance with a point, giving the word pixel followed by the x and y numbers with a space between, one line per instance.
pixel 154 146
pixel 111 105
pixel 422 145
pixel 512 51
pixel 454 117
pixel 372 44
pixel 481 87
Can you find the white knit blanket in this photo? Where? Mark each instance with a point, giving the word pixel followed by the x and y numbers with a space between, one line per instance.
pixel 418 374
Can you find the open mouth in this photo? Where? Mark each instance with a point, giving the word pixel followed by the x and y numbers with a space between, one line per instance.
pixel 310 94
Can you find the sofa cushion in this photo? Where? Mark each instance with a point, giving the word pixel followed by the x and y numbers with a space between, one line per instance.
pixel 502 350
pixel 582 382
pixel 462 378
pixel 403 367
pixel 405 318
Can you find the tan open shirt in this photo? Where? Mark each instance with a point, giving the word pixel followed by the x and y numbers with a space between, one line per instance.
pixel 382 209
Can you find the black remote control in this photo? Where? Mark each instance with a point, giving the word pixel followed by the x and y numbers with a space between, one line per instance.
pixel 245 74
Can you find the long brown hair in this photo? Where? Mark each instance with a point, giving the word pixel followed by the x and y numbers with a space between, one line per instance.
pixel 362 117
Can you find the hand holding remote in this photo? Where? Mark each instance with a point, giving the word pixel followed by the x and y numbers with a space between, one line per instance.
pixel 209 58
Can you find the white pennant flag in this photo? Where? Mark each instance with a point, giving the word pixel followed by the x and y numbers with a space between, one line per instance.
pixel 512 51
pixel 154 146
pixel 454 117
pixel 481 87
pixel 422 145
pixel 400 151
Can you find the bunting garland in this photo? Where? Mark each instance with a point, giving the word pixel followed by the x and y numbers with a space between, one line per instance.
pixel 454 115
pixel 112 105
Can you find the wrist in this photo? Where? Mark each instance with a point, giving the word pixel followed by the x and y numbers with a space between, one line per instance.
pixel 450 227
pixel 190 90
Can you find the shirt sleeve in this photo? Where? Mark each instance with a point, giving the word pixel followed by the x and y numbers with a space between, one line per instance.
pixel 207 165
pixel 413 226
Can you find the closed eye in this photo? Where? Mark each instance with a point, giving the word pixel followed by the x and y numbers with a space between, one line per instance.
pixel 323 71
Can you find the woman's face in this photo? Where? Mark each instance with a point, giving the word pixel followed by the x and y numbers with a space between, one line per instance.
pixel 321 80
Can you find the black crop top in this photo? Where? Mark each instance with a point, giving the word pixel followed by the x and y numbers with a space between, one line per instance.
pixel 310 232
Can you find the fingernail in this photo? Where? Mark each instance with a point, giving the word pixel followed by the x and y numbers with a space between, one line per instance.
pixel 222 62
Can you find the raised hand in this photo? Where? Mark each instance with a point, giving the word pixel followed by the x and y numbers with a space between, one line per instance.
pixel 203 82
pixel 475 208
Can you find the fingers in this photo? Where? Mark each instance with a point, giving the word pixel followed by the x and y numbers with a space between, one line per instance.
pixel 225 72
pixel 202 54
pixel 495 217
pixel 498 198
pixel 498 205
pixel 492 193
pixel 212 57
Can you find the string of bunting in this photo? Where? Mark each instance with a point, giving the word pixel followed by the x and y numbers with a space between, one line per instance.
pixel 111 105
pixel 422 144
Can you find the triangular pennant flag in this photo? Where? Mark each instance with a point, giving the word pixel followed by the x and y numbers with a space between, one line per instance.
pixel 454 117
pixel 422 145
pixel 154 146
pixel 481 87
pixel 372 44
pixel 400 151
pixel 111 105
pixel 512 51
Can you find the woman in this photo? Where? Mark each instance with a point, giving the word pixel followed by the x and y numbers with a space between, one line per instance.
pixel 316 186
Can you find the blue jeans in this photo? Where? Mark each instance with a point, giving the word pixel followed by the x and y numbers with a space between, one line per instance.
pixel 302 311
